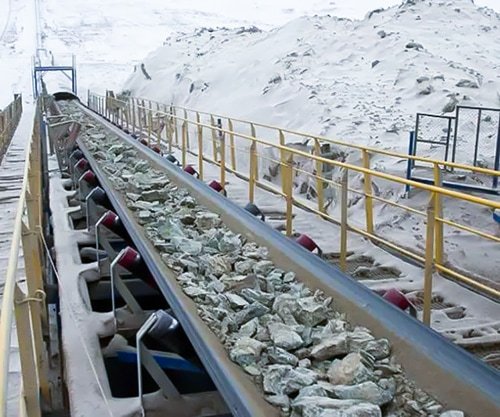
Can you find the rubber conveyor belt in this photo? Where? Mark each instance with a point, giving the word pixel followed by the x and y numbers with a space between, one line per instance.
pixel 452 375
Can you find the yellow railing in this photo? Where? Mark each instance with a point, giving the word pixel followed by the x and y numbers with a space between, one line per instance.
pixel 26 301
pixel 9 119
pixel 169 126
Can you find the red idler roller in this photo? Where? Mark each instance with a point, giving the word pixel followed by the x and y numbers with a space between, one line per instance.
pixel 144 142
pixel 156 148
pixel 82 164
pixel 89 177
pixel 397 298
pixel 309 244
pixel 217 186
pixel 191 171
pixel 111 221
pixel 132 261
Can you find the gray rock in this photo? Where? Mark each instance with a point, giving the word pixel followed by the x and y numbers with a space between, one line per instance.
pixel 246 351
pixel 281 356
pixel 188 202
pixel 426 90
pixel 281 401
pixel 452 413
pixel 188 246
pixel 249 328
pixel 284 336
pixel 382 33
pixel 329 407
pixel 350 370
pixel 206 221
pixel 451 105
pixel 283 379
pixel 239 282
pixel 422 79
pixel 249 312
pixel 367 391
pixel 251 295
pixel 244 267
pixel 230 243
pixel 331 347
pixel 311 311
pixel 414 45
pixel 218 265
pixel 235 301
pixel 467 84
pixel 263 267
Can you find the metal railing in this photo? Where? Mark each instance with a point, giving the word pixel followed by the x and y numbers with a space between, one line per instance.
pixel 212 138
pixel 9 119
pixel 26 301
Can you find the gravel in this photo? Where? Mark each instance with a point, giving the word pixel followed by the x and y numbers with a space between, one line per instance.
pixel 302 353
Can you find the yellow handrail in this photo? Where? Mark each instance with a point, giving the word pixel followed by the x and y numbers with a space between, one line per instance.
pixel 369 149
pixel 171 116
pixel 10 286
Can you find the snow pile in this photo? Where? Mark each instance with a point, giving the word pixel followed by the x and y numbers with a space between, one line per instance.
pixel 361 81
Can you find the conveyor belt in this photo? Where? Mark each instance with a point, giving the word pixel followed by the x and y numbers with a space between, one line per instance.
pixel 453 376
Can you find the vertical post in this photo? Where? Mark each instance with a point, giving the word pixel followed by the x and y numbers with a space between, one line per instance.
pixel 254 135
pixel 27 355
pixel 478 131
pixel 319 180
pixel 222 158
pixel 412 148
pixel 287 187
pixel 187 129
pixel 184 143
pixel 438 214
pixel 231 144
pixel 343 222
pixel 368 192
pixel 200 146
pixel 497 155
pixel 252 179
pixel 283 158
pixel 176 131
pixel 214 138
pixel 150 125
pixel 429 261
pixel 133 116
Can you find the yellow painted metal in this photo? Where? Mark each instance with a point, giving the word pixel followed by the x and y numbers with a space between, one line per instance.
pixel 343 221
pixel 200 147
pixel 187 130
pixel 184 143
pixel 231 143
pixel 287 173
pixel 438 213
pixel 150 125
pixel 27 355
pixel 253 179
pixel 367 173
pixel 319 180
pixel 429 262
pixel 223 160
pixel 368 192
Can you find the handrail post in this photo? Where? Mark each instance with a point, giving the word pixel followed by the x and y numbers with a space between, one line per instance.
pixel 256 167
pixel 319 181
pixel 282 158
pixel 200 146
pixel 231 144
pixel 368 193
pixel 222 140
pixel 150 125
pixel 187 129
pixel 176 131
pixel 27 355
pixel 343 221
pixel 429 261
pixel 133 116
pixel 184 143
pixel 438 214
pixel 252 179
pixel 287 184
pixel 214 138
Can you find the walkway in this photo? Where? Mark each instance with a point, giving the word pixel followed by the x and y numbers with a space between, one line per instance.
pixel 11 178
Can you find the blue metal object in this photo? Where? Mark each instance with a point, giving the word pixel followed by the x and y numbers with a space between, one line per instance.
pixel 39 70
pixel 164 359
pixel 496 216
pixel 411 162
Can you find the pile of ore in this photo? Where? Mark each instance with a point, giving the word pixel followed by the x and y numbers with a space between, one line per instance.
pixel 304 355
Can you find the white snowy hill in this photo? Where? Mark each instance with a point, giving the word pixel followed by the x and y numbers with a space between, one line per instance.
pixel 361 81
